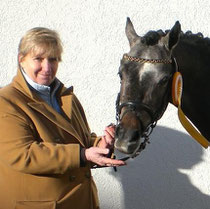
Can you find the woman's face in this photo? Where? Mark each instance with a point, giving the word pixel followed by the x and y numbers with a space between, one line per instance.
pixel 39 67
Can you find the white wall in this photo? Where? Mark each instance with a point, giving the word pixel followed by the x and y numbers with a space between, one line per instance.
pixel 173 172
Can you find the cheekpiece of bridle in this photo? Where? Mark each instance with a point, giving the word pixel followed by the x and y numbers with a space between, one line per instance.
pixel 136 106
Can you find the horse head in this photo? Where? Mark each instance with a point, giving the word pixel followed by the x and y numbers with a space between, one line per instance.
pixel 146 74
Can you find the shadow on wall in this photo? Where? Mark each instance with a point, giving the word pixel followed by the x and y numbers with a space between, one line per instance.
pixel 153 180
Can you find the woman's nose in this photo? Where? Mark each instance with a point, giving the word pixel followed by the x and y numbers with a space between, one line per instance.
pixel 46 65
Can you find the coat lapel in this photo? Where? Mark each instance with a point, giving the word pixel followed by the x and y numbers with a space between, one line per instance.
pixel 56 118
pixel 66 100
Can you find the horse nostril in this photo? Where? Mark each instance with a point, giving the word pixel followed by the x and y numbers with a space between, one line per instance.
pixel 135 135
pixel 118 131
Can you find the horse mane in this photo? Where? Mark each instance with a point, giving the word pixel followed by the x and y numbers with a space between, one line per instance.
pixel 152 38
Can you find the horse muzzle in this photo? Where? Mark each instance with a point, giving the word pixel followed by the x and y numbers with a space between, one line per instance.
pixel 127 140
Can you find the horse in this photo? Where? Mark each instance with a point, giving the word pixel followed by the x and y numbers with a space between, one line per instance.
pixel 147 73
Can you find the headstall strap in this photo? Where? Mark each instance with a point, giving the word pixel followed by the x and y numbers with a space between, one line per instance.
pixel 150 128
pixel 142 60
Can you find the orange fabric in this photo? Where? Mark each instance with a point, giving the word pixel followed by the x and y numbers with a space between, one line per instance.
pixel 177 86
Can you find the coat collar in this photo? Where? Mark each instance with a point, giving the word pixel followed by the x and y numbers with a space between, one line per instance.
pixel 42 107
pixel 21 84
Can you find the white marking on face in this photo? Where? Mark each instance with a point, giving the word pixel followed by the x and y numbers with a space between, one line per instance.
pixel 150 69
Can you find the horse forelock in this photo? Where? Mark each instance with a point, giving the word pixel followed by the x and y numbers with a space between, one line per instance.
pixel 151 38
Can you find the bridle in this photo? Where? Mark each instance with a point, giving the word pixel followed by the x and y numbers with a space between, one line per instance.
pixel 143 60
pixel 135 106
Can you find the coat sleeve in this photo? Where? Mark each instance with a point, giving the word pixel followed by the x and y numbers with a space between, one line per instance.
pixel 21 150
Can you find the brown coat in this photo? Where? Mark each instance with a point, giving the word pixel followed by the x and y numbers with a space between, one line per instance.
pixel 39 151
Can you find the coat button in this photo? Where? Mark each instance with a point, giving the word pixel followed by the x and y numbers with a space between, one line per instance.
pixel 72 178
pixel 87 175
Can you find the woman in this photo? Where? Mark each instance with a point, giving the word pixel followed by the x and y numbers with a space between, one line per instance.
pixel 46 148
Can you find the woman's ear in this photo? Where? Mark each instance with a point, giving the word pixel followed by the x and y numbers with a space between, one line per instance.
pixel 20 59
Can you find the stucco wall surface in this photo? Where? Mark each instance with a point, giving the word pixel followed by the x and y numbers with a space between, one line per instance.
pixel 173 171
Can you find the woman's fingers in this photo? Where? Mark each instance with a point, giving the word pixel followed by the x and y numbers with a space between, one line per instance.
pixel 110 130
pixel 98 156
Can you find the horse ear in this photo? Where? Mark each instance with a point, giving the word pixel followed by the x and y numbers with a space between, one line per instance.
pixel 174 35
pixel 172 38
pixel 131 33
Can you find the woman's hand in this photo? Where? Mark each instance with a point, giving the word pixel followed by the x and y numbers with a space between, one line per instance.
pixel 99 156
pixel 107 140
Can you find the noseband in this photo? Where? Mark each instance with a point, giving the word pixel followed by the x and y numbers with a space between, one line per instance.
pixel 136 107
pixel 133 106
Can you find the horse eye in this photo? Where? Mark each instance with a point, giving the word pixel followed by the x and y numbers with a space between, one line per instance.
pixel 164 81
pixel 120 75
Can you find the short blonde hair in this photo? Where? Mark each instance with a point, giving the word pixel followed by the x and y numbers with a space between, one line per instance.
pixel 41 38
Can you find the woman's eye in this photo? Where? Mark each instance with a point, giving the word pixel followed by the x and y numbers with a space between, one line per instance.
pixel 53 59
pixel 38 59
